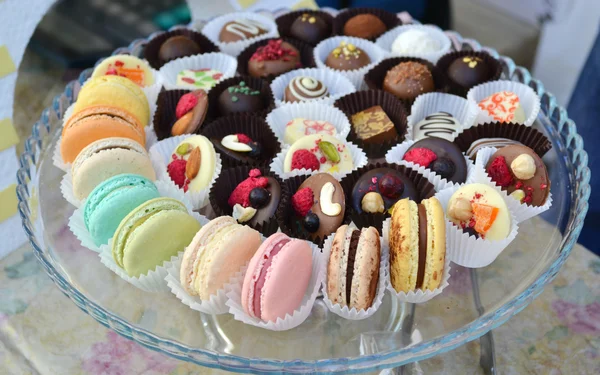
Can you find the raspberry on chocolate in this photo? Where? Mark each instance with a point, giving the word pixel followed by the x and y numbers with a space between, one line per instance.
pixel 243 138
pixel 176 170
pixel 420 156
pixel 241 193
pixel 500 172
pixel 304 159
pixel 303 201
pixel 185 104
pixel 274 50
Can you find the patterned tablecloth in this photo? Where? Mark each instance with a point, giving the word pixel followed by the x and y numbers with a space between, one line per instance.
pixel 42 331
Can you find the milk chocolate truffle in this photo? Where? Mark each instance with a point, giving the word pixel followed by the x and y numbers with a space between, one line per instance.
pixel 309 28
pixel 373 125
pixel 302 89
pixel 347 57
pixel 520 172
pixel 378 189
pixel 469 71
pixel 178 46
pixel 241 29
pixel 275 58
pixel 440 156
pixel 255 200
pixel 408 80
pixel 240 98
pixel 366 26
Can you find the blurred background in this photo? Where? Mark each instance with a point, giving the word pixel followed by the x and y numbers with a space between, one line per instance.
pixel 552 38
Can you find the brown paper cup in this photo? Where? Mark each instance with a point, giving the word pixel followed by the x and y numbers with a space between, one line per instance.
pixel 153 46
pixel 164 117
pixel 254 127
pixel 254 83
pixel 525 135
pixel 286 217
pixel 307 59
pixel 227 181
pixel 284 22
pixel 456 89
pixel 390 19
pixel 374 77
pixel 358 101
pixel 363 220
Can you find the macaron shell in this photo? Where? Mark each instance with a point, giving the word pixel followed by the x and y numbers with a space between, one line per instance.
pixel 114 91
pixel 286 281
pixel 436 244
pixel 336 268
pixel 366 269
pixel 404 245
pixel 156 240
pixel 108 163
pixel 310 142
pixel 207 161
pixel 123 64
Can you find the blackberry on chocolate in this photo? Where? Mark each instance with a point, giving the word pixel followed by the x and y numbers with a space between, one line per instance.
pixel 444 167
pixel 311 222
pixel 256 149
pixel 391 186
pixel 259 197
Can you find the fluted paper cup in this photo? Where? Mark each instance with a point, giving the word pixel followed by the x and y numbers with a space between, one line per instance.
pixel 220 62
pixel 387 40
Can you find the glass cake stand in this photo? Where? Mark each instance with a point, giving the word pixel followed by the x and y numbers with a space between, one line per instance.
pixel 475 302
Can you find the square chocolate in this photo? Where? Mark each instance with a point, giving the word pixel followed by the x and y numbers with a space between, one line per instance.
pixel 372 125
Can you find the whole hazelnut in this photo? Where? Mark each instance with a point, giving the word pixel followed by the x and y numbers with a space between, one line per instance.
pixel 518 195
pixel 461 209
pixel 372 203
pixel 523 167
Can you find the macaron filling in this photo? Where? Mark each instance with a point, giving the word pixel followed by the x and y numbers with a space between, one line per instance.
pixel 352 247
pixel 422 212
pixel 262 277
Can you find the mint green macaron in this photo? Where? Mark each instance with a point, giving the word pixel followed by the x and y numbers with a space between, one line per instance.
pixel 112 200
pixel 151 234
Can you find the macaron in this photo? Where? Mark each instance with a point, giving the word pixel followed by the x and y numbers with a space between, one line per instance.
pixel 106 158
pixel 219 250
pixel 112 200
pixel 353 269
pixel 193 163
pixel 114 91
pixel 277 278
pixel 417 245
pixel 98 122
pixel 128 66
pixel 151 234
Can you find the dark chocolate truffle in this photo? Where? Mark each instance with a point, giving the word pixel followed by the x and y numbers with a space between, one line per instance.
pixel 309 28
pixel 241 29
pixel 408 80
pixel 347 57
pixel 451 164
pixel 469 71
pixel 372 125
pixel 275 58
pixel 178 46
pixel 303 89
pixel 366 26
pixel 240 98
pixel 388 183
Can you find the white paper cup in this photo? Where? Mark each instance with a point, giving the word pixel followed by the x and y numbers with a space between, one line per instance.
pixel 530 101
pixel 469 251
pixel 359 160
pixel 353 313
pixel 464 111
pixel 290 321
pixel 221 62
pixel 337 84
pixel 420 295
pixel 386 40
pixel 521 211
pixel 323 49
pixel 278 118
pixel 160 155
pixel 213 28
pixel 396 153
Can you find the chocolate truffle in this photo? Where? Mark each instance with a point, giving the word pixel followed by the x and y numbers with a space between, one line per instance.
pixel 381 185
pixel 408 80
pixel 440 124
pixel 178 46
pixel 415 41
pixel 347 57
pixel 241 147
pixel 240 98
pixel 373 125
pixel 309 28
pixel 275 58
pixel 255 200
pixel 319 205
pixel 302 89
pixel 520 172
pixel 503 106
pixel 469 71
pixel 366 26
pixel 241 29
pixel 440 156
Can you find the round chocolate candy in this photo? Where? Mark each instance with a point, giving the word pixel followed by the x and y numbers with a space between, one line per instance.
pixel 302 89
pixel 366 26
pixel 427 151
pixel 178 46
pixel 310 28
pixel 408 80
pixel 241 29
pixel 347 57
pixel 389 183
pixel 240 98
pixel 469 71
pixel 273 59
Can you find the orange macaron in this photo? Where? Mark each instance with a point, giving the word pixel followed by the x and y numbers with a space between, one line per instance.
pixel 95 123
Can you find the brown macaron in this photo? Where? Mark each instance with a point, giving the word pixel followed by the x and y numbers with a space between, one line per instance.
pixel 353 270
pixel 417 239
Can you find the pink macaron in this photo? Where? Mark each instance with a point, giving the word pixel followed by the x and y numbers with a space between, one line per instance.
pixel 277 278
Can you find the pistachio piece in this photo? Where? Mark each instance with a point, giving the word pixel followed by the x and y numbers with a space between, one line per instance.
pixel 330 151
pixel 183 149
pixel 328 207
pixel 232 142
